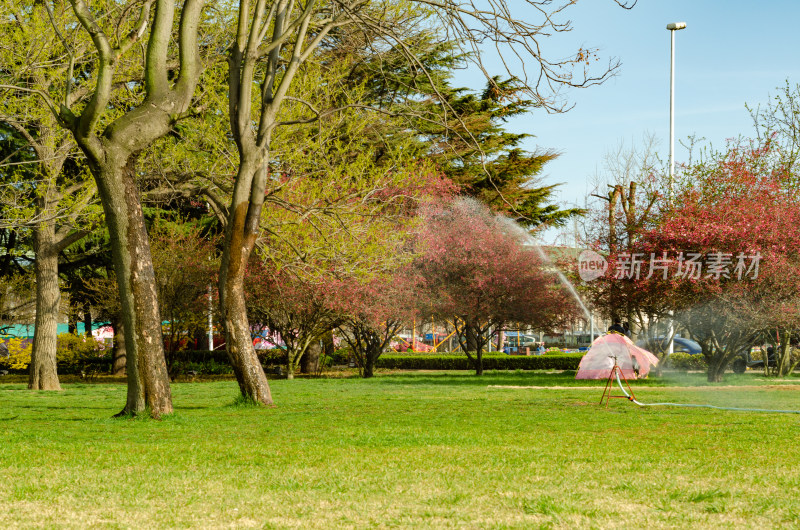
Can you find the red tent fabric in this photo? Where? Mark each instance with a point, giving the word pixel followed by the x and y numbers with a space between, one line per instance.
pixel 599 360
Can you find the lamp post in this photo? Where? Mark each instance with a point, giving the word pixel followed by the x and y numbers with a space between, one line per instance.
pixel 672 27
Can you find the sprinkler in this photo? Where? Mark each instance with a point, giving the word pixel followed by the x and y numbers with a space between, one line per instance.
pixel 616 371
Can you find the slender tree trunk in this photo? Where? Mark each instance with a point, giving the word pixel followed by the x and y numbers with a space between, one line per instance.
pixel 240 238
pixel 783 356
pixel 43 374
pixel 87 320
pixel 765 357
pixel 473 339
pixel 72 319
pixel 250 375
pixel 148 381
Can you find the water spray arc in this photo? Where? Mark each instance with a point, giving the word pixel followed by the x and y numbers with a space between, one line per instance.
pixel 564 280
pixel 529 241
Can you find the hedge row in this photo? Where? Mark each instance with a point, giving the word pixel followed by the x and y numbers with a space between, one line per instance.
pixel 567 361
pixel 216 362
pixel 686 361
pixel 267 357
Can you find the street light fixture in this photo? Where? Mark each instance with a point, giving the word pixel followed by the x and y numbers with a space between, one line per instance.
pixel 672 27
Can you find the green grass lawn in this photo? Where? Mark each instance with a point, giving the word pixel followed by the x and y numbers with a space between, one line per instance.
pixel 404 450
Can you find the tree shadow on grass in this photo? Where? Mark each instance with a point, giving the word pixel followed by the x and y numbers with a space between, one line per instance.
pixel 564 378
pixel 65 406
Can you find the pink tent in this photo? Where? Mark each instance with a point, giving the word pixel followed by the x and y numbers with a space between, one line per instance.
pixel 599 360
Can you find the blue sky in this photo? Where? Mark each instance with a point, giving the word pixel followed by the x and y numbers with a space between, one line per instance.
pixel 731 53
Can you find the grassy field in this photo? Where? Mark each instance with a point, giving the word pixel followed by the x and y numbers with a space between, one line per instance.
pixel 404 450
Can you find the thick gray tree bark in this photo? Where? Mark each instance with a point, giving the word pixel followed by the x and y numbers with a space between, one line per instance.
pixel 112 155
pixel 42 371
pixel 148 381
pixel 309 362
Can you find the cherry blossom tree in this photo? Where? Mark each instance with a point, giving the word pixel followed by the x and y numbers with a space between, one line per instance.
pixel 479 274
pixel 724 258
pixel 374 311
pixel 295 308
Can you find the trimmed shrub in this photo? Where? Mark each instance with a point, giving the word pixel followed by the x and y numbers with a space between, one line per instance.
pixel 567 361
pixel 341 356
pixel 76 351
pixel 686 361
pixel 210 367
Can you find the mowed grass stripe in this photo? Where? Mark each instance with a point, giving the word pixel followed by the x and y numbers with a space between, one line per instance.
pixel 401 450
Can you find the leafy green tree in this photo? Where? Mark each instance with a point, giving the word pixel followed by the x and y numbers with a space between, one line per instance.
pixel 111 136
pixel 46 182
pixel 274 40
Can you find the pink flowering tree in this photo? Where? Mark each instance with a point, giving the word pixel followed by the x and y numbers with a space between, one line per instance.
pixel 293 307
pixel 374 311
pixel 725 258
pixel 478 273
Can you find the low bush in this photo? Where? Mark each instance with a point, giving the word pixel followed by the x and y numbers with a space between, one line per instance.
pixel 17 354
pixel 73 353
pixel 686 361
pixel 340 356
pixel 209 367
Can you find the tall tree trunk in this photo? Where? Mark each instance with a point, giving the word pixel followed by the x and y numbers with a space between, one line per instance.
pixel 87 319
pixel 148 380
pixel 43 374
pixel 250 375
pixel 112 155
pixel 240 238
